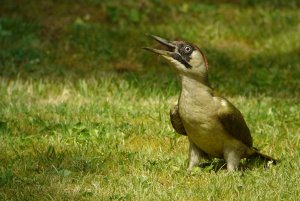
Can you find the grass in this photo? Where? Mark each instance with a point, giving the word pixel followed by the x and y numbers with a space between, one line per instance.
pixel 84 112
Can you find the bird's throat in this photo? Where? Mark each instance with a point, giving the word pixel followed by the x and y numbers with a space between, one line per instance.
pixel 195 93
pixel 195 83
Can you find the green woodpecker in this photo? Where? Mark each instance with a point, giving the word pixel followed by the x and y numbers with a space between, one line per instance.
pixel 214 126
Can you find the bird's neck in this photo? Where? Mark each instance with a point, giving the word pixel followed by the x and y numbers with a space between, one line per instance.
pixel 195 88
pixel 195 97
pixel 193 83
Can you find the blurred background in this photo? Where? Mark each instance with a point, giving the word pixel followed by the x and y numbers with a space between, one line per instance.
pixel 252 46
pixel 84 111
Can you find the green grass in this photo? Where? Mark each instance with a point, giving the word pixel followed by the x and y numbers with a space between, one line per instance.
pixel 84 111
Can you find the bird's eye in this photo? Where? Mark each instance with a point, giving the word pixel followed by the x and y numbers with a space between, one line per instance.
pixel 187 49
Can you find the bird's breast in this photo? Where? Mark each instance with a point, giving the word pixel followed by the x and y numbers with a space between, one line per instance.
pixel 199 117
pixel 198 107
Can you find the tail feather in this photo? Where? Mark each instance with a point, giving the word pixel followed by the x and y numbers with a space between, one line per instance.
pixel 266 157
pixel 257 154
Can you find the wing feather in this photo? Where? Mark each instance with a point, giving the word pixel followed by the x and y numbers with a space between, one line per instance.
pixel 176 120
pixel 233 122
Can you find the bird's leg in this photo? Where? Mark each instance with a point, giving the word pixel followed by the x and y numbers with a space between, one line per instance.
pixel 195 154
pixel 232 159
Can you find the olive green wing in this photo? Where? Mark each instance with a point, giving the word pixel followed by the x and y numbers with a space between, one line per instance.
pixel 233 121
pixel 176 120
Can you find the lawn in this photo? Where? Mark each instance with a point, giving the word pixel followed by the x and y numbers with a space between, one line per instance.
pixel 84 111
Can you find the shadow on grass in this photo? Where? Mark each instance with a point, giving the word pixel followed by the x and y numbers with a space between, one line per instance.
pixel 247 164
pixel 254 3
pixel 269 75
pixel 273 75
pixel 31 56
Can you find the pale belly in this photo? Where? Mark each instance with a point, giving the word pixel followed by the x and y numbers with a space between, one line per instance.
pixel 198 112
pixel 210 139
pixel 204 129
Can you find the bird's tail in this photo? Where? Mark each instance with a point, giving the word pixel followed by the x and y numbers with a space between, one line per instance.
pixel 257 154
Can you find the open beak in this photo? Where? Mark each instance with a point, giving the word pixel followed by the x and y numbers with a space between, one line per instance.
pixel 171 52
pixel 170 47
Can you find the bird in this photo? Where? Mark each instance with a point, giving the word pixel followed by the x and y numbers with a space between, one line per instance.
pixel 214 126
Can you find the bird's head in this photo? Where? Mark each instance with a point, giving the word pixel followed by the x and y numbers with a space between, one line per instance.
pixel 187 58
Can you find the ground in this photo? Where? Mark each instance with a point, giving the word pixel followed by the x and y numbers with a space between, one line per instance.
pixel 84 111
